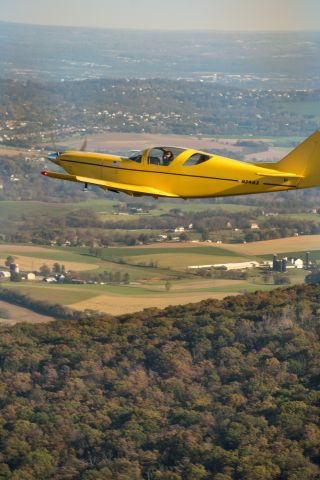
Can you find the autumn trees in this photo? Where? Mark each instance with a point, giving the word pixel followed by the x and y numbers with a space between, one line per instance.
pixel 210 391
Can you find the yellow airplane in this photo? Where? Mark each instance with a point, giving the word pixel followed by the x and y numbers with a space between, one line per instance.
pixel 186 173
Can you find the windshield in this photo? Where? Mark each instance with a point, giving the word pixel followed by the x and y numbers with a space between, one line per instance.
pixel 136 155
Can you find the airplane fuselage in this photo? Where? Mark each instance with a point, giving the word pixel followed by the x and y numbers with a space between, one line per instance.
pixel 217 176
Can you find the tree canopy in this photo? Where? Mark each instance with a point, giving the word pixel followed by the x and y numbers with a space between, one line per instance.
pixel 219 390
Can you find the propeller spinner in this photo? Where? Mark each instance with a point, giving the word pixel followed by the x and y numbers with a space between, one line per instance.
pixel 53 157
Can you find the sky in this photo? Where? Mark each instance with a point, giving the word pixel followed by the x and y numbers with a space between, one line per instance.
pixel 247 15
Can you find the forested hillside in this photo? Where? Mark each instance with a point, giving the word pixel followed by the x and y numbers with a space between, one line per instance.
pixel 211 391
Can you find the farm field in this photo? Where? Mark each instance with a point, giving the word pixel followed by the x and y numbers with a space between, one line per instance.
pixel 18 314
pixel 14 209
pixel 107 303
pixel 281 245
pixel 147 287
pixel 62 294
pixel 32 257
pixel 201 248
pixel 178 257
pixel 127 299
pixel 182 260
pixel 106 207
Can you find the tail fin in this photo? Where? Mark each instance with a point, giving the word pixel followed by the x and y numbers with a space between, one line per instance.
pixel 304 161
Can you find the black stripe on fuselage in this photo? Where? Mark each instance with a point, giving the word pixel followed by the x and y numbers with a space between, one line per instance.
pixel 150 171
pixel 279 185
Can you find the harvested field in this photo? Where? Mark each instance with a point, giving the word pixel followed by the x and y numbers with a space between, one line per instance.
pixel 186 286
pixel 20 314
pixel 279 245
pixel 31 263
pixel 15 249
pixel 116 305
pixel 118 299
pixel 31 258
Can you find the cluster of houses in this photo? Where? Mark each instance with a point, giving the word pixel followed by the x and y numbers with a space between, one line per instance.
pixel 14 271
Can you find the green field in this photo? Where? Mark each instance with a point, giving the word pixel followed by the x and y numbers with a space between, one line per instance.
pixel 182 261
pixel 15 209
pixel 314 255
pixel 106 207
pixel 114 252
pixel 62 294
pixel 147 284
pixel 198 206
pixel 311 217
pixel 70 294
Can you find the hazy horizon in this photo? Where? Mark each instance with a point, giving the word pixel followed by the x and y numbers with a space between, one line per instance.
pixel 148 30
pixel 230 15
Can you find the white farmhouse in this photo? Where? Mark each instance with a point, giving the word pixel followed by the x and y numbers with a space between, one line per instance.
pixel 4 274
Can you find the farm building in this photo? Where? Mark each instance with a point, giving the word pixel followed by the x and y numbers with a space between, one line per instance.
pixel 4 274
pixel 30 276
pixel 228 266
pixel 295 263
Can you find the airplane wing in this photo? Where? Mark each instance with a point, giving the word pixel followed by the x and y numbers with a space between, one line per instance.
pixel 114 186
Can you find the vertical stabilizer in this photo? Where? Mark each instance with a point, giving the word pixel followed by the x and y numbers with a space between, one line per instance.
pixel 304 161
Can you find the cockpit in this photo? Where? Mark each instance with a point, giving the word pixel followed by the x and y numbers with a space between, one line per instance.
pixel 162 156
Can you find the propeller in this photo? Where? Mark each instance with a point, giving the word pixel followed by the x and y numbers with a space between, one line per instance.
pixel 84 145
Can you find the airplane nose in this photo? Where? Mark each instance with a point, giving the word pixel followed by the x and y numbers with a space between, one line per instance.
pixel 53 157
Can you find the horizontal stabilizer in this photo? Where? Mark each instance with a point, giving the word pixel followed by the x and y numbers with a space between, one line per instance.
pixel 278 174
pixel 106 184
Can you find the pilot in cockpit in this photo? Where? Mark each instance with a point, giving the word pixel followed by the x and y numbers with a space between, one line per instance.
pixel 167 157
